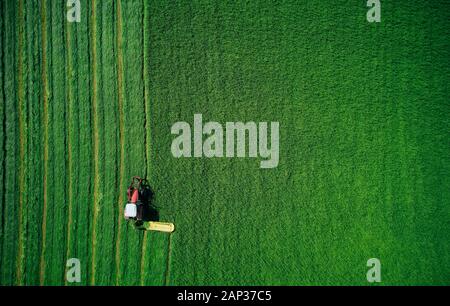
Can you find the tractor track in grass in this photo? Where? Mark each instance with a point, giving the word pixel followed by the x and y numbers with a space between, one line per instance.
pixel 169 257
pixel 69 143
pixel 145 88
pixel 120 84
pixel 3 126
pixel 46 142
pixel 83 217
pixel 9 239
pixel 22 144
pixel 93 25
pixel 145 54
pixel 143 251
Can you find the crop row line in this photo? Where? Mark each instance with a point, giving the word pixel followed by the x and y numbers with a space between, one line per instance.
pixel 3 131
pixel 69 143
pixel 120 85
pixel 93 25
pixel 22 143
pixel 46 140
pixel 145 54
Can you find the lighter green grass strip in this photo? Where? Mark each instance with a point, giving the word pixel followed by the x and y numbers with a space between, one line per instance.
pixel 169 257
pixel 146 122
pixel 121 133
pixel 143 251
pixel 45 124
pixel 22 136
pixel 95 136
pixel 69 144
pixel 3 134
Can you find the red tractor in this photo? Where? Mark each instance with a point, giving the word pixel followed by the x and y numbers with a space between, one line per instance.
pixel 135 209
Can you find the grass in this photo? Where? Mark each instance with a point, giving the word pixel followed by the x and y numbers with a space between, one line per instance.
pixel 364 119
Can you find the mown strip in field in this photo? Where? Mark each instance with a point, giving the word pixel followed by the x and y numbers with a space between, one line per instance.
pixel 95 132
pixel 134 154
pixel 2 134
pixel 45 137
pixel 109 147
pixel 145 77
pixel 83 246
pixel 11 148
pixel 67 153
pixel 121 166
pixel 22 74
pixel 32 207
pixel 57 146
pixel 72 137
pixel 49 154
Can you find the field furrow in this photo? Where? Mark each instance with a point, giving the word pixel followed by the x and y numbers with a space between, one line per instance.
pixel 11 131
pixel 2 132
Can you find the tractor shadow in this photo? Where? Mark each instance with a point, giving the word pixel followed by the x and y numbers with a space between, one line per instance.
pixel 149 211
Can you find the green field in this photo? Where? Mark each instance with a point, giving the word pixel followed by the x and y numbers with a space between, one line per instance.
pixel 364 113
